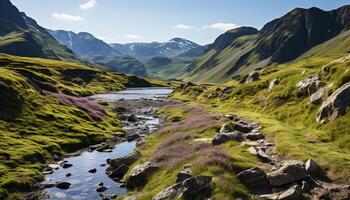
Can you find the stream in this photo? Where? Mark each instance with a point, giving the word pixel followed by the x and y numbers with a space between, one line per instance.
pixel 140 102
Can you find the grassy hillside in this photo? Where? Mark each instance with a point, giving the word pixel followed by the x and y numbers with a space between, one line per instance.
pixel 287 116
pixel 43 113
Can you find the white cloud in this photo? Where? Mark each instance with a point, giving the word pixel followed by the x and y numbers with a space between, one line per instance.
pixel 132 36
pixel 183 26
pixel 67 17
pixel 89 4
pixel 222 26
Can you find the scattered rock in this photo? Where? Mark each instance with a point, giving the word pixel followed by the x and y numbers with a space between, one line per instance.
pixel 126 160
pixel 66 165
pixel 221 138
pixel 101 189
pixel 93 170
pixel 184 174
pixel 274 82
pixel 139 174
pixel 63 185
pixel 54 166
pixel 243 126
pixel 133 137
pixel 195 188
pixel 253 76
pixel 305 187
pixel 316 98
pixel 293 193
pixel 292 171
pixel 255 180
pixel 226 128
pixel 311 167
pixel 335 105
pixel 68 175
pixel 119 172
pixel 310 85
pixel 263 156
pixel 132 118
pixel 254 136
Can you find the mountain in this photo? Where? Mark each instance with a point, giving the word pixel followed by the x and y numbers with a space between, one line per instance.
pixel 21 35
pixel 279 41
pixel 123 64
pixel 145 51
pixel 84 44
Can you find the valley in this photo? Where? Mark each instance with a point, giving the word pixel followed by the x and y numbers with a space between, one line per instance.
pixel 256 114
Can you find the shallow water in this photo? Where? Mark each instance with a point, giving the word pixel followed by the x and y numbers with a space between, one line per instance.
pixel 135 93
pixel 84 184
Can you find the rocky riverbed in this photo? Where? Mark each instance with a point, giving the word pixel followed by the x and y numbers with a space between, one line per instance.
pixel 87 174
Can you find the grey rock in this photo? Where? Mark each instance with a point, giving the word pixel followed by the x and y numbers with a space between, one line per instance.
pixel 253 76
pixel 101 189
pixel 254 136
pixel 255 180
pixel 132 118
pixel 263 156
pixel 293 193
pixel 139 174
pixel 195 188
pixel 221 138
pixel 292 171
pixel 226 128
pixel 316 98
pixel 92 171
pixel 335 105
pixel 243 126
pixel 126 160
pixel 66 165
pixel 63 185
pixel 311 167
pixel 305 187
pixel 310 85
pixel 119 172
pixel 274 82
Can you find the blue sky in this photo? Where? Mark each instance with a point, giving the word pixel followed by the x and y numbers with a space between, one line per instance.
pixel 160 20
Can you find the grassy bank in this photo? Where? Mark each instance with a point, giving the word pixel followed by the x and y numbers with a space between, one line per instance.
pixel 183 140
pixel 43 113
pixel 285 112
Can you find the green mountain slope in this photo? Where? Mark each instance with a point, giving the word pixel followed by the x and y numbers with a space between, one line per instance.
pixel 279 41
pixel 20 35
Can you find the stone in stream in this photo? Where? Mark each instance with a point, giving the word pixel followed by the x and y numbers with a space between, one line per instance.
pixel 93 170
pixel 221 138
pixel 66 165
pixel 119 172
pixel 194 188
pixel 255 180
pixel 68 175
pixel 291 171
pixel 101 188
pixel 126 160
pixel 132 118
pixel 63 185
pixel 139 174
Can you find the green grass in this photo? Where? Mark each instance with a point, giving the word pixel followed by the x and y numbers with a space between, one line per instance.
pixel 174 145
pixel 286 114
pixel 34 123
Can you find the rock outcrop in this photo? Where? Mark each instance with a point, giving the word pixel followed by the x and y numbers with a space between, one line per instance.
pixel 310 85
pixel 335 105
pixel 139 175
pixel 291 171
pixel 194 188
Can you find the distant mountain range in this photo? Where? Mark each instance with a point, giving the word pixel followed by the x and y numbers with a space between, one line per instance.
pixel 145 51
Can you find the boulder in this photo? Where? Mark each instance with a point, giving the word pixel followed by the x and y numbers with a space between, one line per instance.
pixel 335 105
pixel 254 136
pixel 243 126
pixel 221 138
pixel 263 156
pixel 63 185
pixel 316 98
pixel 195 188
pixel 226 128
pixel 126 160
pixel 139 174
pixel 92 171
pixel 255 180
pixel 310 85
pixel 311 166
pixel 184 174
pixel 274 82
pixel 293 193
pixel 291 171
pixel 119 172
pixel 253 76
pixel 132 118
